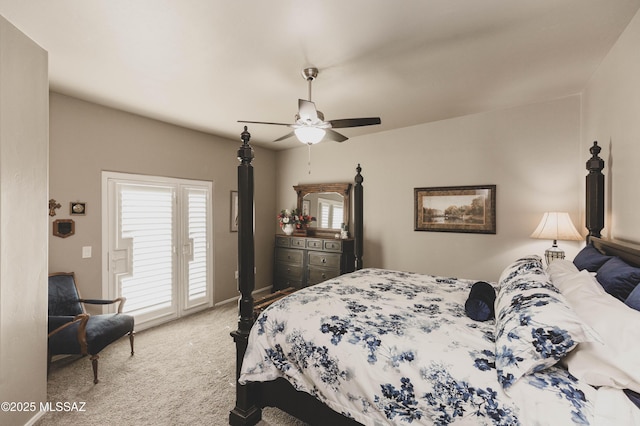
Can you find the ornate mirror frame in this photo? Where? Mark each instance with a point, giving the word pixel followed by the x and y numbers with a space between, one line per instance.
pixel 343 189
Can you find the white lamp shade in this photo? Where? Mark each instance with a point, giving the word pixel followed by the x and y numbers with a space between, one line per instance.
pixel 309 135
pixel 556 226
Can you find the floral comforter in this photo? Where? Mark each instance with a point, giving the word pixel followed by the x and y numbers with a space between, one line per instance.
pixel 388 347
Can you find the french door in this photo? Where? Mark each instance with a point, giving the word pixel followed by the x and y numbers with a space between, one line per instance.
pixel 157 233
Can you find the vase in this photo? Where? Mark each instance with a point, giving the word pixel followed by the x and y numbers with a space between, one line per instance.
pixel 288 229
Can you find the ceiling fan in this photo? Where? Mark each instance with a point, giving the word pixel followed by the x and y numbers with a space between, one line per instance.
pixel 310 126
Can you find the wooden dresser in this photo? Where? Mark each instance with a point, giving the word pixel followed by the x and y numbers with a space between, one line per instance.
pixel 304 261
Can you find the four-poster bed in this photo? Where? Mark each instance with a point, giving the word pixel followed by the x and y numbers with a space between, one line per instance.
pixel 279 393
pixel 433 364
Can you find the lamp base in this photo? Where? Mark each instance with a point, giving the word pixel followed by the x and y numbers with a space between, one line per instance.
pixel 553 253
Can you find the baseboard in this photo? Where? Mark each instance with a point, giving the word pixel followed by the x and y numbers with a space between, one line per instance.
pixel 235 299
pixel 35 418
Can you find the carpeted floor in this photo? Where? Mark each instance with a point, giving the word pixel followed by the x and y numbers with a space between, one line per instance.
pixel 182 373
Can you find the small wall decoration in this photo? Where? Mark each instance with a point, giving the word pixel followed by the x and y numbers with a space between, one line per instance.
pixel 234 212
pixel 53 206
pixel 77 208
pixel 64 228
pixel 456 209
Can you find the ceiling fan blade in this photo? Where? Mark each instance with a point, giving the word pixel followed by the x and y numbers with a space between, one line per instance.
pixel 354 122
pixel 266 122
pixel 335 136
pixel 307 111
pixel 288 135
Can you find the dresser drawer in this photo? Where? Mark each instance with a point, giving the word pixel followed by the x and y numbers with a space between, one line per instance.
pixel 333 245
pixel 327 260
pixel 297 242
pixel 285 271
pixel 283 241
pixel 282 283
pixel 314 244
pixel 318 275
pixel 288 255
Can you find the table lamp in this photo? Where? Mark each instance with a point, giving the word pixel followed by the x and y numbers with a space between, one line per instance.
pixel 556 226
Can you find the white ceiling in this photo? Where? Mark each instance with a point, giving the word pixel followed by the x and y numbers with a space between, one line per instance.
pixel 205 64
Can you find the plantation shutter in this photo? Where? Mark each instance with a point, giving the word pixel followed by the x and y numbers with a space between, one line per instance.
pixel 196 248
pixel 330 213
pixel 336 216
pixel 146 218
pixel 325 209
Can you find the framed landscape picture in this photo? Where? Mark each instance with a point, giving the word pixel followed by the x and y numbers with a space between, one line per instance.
pixel 456 209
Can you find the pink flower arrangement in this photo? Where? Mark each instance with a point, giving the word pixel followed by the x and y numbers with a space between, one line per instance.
pixel 293 217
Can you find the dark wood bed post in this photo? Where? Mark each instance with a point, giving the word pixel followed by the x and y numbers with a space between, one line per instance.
pixel 595 193
pixel 245 411
pixel 358 213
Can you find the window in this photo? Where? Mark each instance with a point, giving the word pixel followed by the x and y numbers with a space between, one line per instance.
pixel 330 213
pixel 158 245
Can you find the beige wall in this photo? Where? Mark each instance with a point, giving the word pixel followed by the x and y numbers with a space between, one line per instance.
pixel 530 152
pixel 86 139
pixel 611 115
pixel 24 104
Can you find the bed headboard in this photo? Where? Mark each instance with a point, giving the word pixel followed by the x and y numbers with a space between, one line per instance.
pixel 628 252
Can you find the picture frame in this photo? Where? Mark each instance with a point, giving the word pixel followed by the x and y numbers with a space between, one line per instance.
pixel 64 228
pixel 306 207
pixel 465 209
pixel 77 208
pixel 233 221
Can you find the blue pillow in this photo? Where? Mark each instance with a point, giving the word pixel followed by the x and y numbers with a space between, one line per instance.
pixel 618 278
pixel 479 305
pixel 590 258
pixel 633 299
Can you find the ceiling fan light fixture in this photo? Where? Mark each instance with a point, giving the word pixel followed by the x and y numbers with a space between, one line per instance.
pixel 310 126
pixel 309 135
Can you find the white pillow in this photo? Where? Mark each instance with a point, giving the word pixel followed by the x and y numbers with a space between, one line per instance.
pixel 560 270
pixel 583 281
pixel 613 363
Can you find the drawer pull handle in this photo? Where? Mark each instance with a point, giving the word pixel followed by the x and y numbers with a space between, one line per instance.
pixel 324 276
pixel 324 260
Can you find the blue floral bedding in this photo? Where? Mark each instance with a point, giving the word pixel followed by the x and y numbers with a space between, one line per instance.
pixel 388 347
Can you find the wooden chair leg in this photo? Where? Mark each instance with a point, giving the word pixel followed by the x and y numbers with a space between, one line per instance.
pixel 94 364
pixel 131 334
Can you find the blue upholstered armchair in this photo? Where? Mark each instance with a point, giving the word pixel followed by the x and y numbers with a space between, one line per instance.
pixel 74 332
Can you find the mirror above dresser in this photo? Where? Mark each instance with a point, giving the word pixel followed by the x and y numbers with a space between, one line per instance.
pixel 329 203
